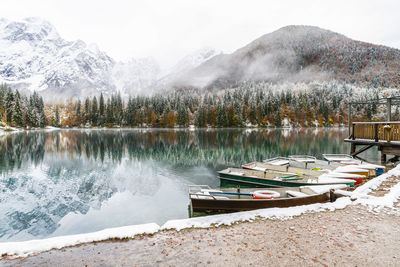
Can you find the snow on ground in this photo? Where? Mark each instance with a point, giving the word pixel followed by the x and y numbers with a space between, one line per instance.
pixel 271 213
pixel 7 129
pixel 26 248
pixel 358 196
pixel 51 128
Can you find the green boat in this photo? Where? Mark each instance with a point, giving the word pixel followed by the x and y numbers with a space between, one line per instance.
pixel 276 179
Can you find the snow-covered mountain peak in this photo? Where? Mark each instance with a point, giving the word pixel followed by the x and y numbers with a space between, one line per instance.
pixel 33 56
pixel 136 76
pixel 194 59
pixel 29 29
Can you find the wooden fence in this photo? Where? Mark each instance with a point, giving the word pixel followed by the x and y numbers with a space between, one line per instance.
pixel 377 131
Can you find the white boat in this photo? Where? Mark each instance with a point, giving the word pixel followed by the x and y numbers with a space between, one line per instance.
pixel 303 158
pixel 278 161
pixel 345 159
pixel 322 173
pixel 339 158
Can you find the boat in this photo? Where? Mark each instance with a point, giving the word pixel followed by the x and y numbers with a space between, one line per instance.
pixel 261 166
pixel 205 199
pixel 308 162
pixel 330 162
pixel 264 166
pixel 345 159
pixel 341 158
pixel 368 170
pixel 303 158
pixel 278 161
pixel 270 178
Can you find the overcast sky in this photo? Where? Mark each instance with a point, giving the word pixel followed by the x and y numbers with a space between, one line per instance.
pixel 169 29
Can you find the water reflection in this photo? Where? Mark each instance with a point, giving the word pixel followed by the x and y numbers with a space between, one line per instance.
pixel 74 181
pixel 180 147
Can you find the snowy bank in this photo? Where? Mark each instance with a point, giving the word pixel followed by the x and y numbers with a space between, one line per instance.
pixel 26 248
pixel 377 203
pixel 270 213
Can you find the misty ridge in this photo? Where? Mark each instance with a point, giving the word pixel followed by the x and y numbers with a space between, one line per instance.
pixel 300 54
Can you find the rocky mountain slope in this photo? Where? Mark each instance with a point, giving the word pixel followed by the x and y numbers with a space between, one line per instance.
pixel 33 56
pixel 300 53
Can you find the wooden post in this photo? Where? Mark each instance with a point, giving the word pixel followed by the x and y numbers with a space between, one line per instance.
pixel 352 132
pixel 383 157
pixel 389 107
pixel 353 148
pixel 376 132
pixel 350 119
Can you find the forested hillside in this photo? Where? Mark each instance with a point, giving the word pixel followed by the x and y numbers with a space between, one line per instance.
pixel 21 110
pixel 248 105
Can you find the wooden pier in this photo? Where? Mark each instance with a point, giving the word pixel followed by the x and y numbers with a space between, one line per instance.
pixel 384 135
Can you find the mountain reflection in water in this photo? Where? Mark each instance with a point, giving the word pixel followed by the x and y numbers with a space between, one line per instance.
pixel 75 181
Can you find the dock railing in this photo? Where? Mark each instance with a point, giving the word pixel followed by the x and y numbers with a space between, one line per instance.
pixel 376 131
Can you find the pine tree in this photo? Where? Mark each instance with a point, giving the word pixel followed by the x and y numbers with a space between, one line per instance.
pixel 94 114
pixel 78 114
pixel 9 105
pixel 221 116
pixel 57 118
pixel 101 110
pixel 109 113
pixel 183 116
pixel 17 113
pixel 30 113
pixel 278 119
pixel 86 115
pixel 42 116
pixel 3 90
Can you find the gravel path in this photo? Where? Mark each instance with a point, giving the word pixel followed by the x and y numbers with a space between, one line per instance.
pixel 350 237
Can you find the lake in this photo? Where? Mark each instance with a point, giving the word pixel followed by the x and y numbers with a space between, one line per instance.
pixel 64 182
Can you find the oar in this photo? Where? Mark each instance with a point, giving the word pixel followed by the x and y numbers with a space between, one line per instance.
pixel 231 193
pixel 291 179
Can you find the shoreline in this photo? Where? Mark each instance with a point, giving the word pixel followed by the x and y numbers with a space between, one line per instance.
pixel 364 197
pixel 354 236
pixel 15 129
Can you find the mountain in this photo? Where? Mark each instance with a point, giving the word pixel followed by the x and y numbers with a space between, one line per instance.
pixel 194 59
pixel 186 64
pixel 299 53
pixel 34 56
pixel 136 76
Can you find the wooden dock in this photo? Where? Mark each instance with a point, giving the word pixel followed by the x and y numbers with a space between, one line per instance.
pixel 384 135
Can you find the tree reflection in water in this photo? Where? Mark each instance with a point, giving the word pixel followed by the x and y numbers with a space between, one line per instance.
pixel 66 181
pixel 179 147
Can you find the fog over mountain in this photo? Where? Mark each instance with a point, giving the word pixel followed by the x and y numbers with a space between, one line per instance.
pixel 300 53
pixel 33 56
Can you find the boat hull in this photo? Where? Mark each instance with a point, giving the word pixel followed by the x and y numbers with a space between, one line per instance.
pixel 270 182
pixel 232 205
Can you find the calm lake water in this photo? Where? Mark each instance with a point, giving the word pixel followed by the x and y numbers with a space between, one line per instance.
pixel 77 181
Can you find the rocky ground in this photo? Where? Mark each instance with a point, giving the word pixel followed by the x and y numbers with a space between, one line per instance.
pixel 354 236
